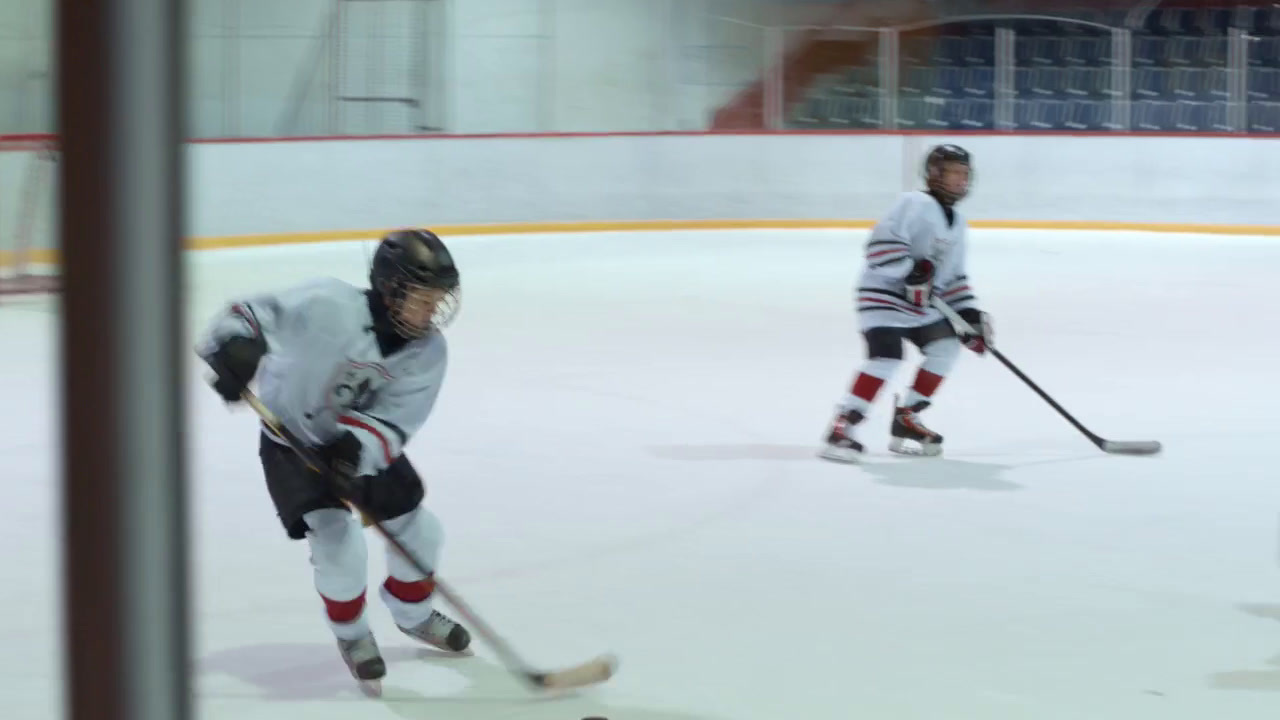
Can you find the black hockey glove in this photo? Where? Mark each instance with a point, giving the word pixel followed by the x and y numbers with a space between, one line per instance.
pixel 235 362
pixel 341 457
pixel 981 322
pixel 920 283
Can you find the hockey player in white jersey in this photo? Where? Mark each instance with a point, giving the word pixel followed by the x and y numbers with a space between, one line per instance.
pixel 915 253
pixel 355 373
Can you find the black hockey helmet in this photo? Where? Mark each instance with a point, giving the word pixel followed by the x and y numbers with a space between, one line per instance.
pixel 412 268
pixel 936 162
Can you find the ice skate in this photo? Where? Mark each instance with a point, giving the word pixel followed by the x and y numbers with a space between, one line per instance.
pixel 841 445
pixel 365 662
pixel 908 429
pixel 440 632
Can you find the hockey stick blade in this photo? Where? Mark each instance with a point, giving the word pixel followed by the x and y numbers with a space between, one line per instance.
pixel 1130 447
pixel 590 672
pixel 1114 447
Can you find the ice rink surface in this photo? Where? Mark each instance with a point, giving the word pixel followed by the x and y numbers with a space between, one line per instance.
pixel 623 458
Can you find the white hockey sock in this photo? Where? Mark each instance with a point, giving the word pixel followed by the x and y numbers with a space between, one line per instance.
pixel 939 357
pixel 340 561
pixel 867 384
pixel 406 592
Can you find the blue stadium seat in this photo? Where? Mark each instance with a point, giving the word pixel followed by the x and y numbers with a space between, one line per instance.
pixel 1149 50
pixel 1191 116
pixel 1086 81
pixel 812 111
pixel 979 82
pixel 1265 52
pixel 1063 77
pixel 920 113
pixel 1041 51
pixel 915 49
pixel 973 114
pixel 1269 21
pixel 1042 82
pixel 1087 50
pixel 948 81
pixel 1218 79
pixel 1264 117
pixel 841 110
pixel 1189 21
pixel 863 112
pixel 949 50
pixel 1219 21
pixel 1190 83
pixel 1086 115
pixel 1163 21
pixel 1212 21
pixel 1218 117
pixel 936 115
pixel 952 115
pixel 1264 84
pixel 1193 51
pixel 1248 18
pixel 1152 83
pixel 1213 51
pixel 862 75
pixel 1152 115
pixel 980 50
pixel 917 79
pixel 1048 51
pixel 1039 114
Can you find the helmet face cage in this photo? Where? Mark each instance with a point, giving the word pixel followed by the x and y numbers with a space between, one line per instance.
pixel 405 297
pixel 418 281
pixel 939 159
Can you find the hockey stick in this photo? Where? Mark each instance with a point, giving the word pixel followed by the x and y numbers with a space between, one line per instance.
pixel 1121 447
pixel 588 673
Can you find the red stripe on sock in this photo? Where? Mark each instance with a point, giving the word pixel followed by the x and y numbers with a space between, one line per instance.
pixel 866 386
pixel 926 383
pixel 410 592
pixel 344 611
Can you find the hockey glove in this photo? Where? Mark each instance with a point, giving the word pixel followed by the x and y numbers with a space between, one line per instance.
pixel 920 283
pixel 981 322
pixel 235 362
pixel 341 457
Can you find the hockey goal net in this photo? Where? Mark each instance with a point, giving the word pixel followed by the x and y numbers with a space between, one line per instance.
pixel 28 213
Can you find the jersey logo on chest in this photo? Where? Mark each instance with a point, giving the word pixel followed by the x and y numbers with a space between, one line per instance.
pixel 355 386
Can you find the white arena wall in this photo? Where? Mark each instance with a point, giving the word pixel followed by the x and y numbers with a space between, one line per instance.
pixel 244 193
pixel 279 191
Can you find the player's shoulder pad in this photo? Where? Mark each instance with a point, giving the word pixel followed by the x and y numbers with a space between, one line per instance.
pixel 433 346
pixel 429 353
pixel 916 198
pixel 327 300
pixel 423 362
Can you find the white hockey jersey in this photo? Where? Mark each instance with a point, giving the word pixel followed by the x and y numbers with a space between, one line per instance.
pixel 324 372
pixel 916 227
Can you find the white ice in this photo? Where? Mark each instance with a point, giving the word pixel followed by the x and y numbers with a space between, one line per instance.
pixel 623 457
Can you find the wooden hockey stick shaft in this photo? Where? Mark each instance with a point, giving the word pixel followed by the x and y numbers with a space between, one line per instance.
pixel 1126 447
pixel 587 673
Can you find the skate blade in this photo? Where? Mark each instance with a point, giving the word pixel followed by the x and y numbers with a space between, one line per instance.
pixel 841 455
pixel 371 688
pixel 900 447
pixel 439 649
